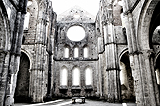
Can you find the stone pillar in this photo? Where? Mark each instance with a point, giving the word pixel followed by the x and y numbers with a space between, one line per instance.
pixel 3 79
pixel 100 67
pixel 113 72
pixel 40 68
pixel 151 93
pixel 145 86
pixel 15 56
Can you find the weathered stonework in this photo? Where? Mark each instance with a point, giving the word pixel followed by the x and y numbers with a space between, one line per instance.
pixel 119 53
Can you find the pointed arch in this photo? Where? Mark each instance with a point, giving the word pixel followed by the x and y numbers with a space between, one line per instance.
pixel 86 51
pixel 126 78
pixel 66 51
pixel 88 76
pixel 144 24
pixel 76 76
pixel 76 51
pixel 63 76
pixel 5 29
pixel 22 86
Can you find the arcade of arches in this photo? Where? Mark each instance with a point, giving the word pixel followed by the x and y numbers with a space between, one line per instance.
pixel 114 55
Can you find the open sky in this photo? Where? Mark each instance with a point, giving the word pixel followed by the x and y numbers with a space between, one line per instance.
pixel 91 6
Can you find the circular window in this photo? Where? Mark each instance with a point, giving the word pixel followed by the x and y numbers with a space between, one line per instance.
pixel 76 33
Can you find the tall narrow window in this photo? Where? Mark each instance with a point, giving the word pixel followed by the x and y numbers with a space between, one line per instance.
pixel 63 76
pixel 76 52
pixel 88 76
pixel 76 76
pixel 66 52
pixel 26 21
pixel 85 52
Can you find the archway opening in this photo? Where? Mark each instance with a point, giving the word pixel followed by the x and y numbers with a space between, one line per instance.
pixel 63 76
pixel 66 51
pixel 76 52
pixel 22 86
pixel 127 81
pixel 88 76
pixel 155 40
pixel 154 30
pixel 76 76
pixel 85 52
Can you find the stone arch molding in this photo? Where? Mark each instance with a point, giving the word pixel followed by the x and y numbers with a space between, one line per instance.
pixel 122 53
pixel 156 57
pixel 5 27
pixel 144 23
pixel 29 56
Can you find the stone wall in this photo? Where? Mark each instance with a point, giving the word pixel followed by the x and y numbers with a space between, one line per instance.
pixel 66 21
pixel 116 46
pixel 12 20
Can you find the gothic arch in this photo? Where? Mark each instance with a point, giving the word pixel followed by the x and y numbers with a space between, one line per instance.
pixel 122 53
pixel 63 76
pixel 88 75
pixel 23 80
pixel 85 51
pixel 126 78
pixel 66 51
pixel 143 31
pixel 29 56
pixel 76 76
pixel 76 51
pixel 5 41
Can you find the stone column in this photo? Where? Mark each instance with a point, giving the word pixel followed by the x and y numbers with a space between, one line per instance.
pixel 3 79
pixel 144 77
pixel 113 72
pixel 151 95
pixel 16 51
pixel 100 67
pixel 40 71
pixel 14 65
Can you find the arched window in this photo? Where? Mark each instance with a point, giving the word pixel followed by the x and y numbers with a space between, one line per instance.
pixel 88 76
pixel 27 16
pixel 66 51
pixel 76 52
pixel 85 52
pixel 26 21
pixel 76 76
pixel 63 76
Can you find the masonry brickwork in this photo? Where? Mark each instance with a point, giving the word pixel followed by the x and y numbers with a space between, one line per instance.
pixel 117 60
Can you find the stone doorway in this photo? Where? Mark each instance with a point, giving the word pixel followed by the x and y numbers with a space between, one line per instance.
pixel 127 81
pixel 22 86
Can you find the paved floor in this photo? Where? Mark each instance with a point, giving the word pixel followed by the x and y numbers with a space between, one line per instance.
pixel 68 102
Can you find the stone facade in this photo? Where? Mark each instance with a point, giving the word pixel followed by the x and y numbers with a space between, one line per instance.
pixel 117 59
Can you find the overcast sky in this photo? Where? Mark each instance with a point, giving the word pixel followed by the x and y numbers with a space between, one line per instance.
pixel 91 6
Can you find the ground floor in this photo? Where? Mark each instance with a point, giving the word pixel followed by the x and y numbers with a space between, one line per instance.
pixel 68 102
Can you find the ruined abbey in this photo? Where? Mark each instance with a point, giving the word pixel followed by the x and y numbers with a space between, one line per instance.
pixel 115 59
